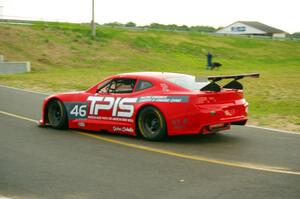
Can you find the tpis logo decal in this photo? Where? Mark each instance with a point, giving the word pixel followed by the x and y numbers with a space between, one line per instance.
pixel 120 107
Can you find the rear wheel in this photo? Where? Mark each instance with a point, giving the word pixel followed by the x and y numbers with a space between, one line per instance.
pixel 151 124
pixel 57 115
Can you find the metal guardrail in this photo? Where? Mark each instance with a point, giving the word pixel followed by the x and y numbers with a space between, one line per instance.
pixel 12 67
pixel 255 36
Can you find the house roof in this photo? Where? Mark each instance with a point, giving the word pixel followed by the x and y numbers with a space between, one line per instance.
pixel 261 26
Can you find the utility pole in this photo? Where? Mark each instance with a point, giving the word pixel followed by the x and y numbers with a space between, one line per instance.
pixel 93 19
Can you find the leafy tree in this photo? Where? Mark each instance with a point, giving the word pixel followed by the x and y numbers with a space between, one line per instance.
pixel 156 26
pixel 169 27
pixel 296 35
pixel 202 29
pixel 130 24
pixel 114 24
pixel 183 28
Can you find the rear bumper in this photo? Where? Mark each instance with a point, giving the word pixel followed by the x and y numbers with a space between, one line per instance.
pixel 215 128
pixel 241 122
pixel 219 117
pixel 223 124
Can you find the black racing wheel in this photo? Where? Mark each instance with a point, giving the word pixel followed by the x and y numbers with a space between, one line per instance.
pixel 151 124
pixel 57 115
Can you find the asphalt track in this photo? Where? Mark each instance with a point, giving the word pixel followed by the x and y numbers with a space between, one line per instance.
pixel 45 163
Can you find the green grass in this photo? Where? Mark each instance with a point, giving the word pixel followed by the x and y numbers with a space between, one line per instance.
pixel 65 57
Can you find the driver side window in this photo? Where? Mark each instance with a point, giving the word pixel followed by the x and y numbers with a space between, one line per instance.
pixel 118 86
pixel 103 87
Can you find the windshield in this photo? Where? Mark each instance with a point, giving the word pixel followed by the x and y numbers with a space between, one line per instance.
pixel 187 81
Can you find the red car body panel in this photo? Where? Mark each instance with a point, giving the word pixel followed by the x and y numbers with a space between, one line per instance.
pixel 185 111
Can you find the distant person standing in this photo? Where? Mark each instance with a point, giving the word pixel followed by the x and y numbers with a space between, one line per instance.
pixel 209 57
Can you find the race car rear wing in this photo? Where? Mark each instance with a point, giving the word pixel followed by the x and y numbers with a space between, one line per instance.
pixel 234 84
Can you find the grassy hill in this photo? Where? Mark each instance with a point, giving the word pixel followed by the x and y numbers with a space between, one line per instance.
pixel 65 57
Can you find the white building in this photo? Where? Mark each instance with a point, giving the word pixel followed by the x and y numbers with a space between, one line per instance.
pixel 252 28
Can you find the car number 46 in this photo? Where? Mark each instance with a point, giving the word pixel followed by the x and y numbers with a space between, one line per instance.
pixel 79 110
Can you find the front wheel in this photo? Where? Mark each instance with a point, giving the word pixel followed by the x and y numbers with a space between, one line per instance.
pixel 57 115
pixel 151 124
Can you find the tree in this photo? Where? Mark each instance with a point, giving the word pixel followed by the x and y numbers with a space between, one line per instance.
pixel 183 28
pixel 296 35
pixel 202 29
pixel 130 24
pixel 156 26
pixel 114 24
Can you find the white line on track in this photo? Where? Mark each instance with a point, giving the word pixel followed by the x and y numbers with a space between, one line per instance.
pixel 3 197
pixel 18 116
pixel 250 126
pixel 28 91
pixel 271 129
pixel 243 165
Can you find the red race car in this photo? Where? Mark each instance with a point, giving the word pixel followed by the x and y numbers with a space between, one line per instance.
pixel 153 104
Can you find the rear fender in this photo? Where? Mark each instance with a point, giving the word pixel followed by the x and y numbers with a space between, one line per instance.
pixel 141 108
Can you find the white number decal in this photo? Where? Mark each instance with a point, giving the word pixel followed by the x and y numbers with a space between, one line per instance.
pixel 74 111
pixel 79 110
pixel 82 110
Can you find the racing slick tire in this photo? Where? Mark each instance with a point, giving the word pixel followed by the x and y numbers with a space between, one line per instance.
pixel 57 115
pixel 151 124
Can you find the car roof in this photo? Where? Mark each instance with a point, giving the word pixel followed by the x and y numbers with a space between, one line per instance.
pixel 150 75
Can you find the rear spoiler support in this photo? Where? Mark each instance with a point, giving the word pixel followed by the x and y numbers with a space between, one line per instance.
pixel 234 84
